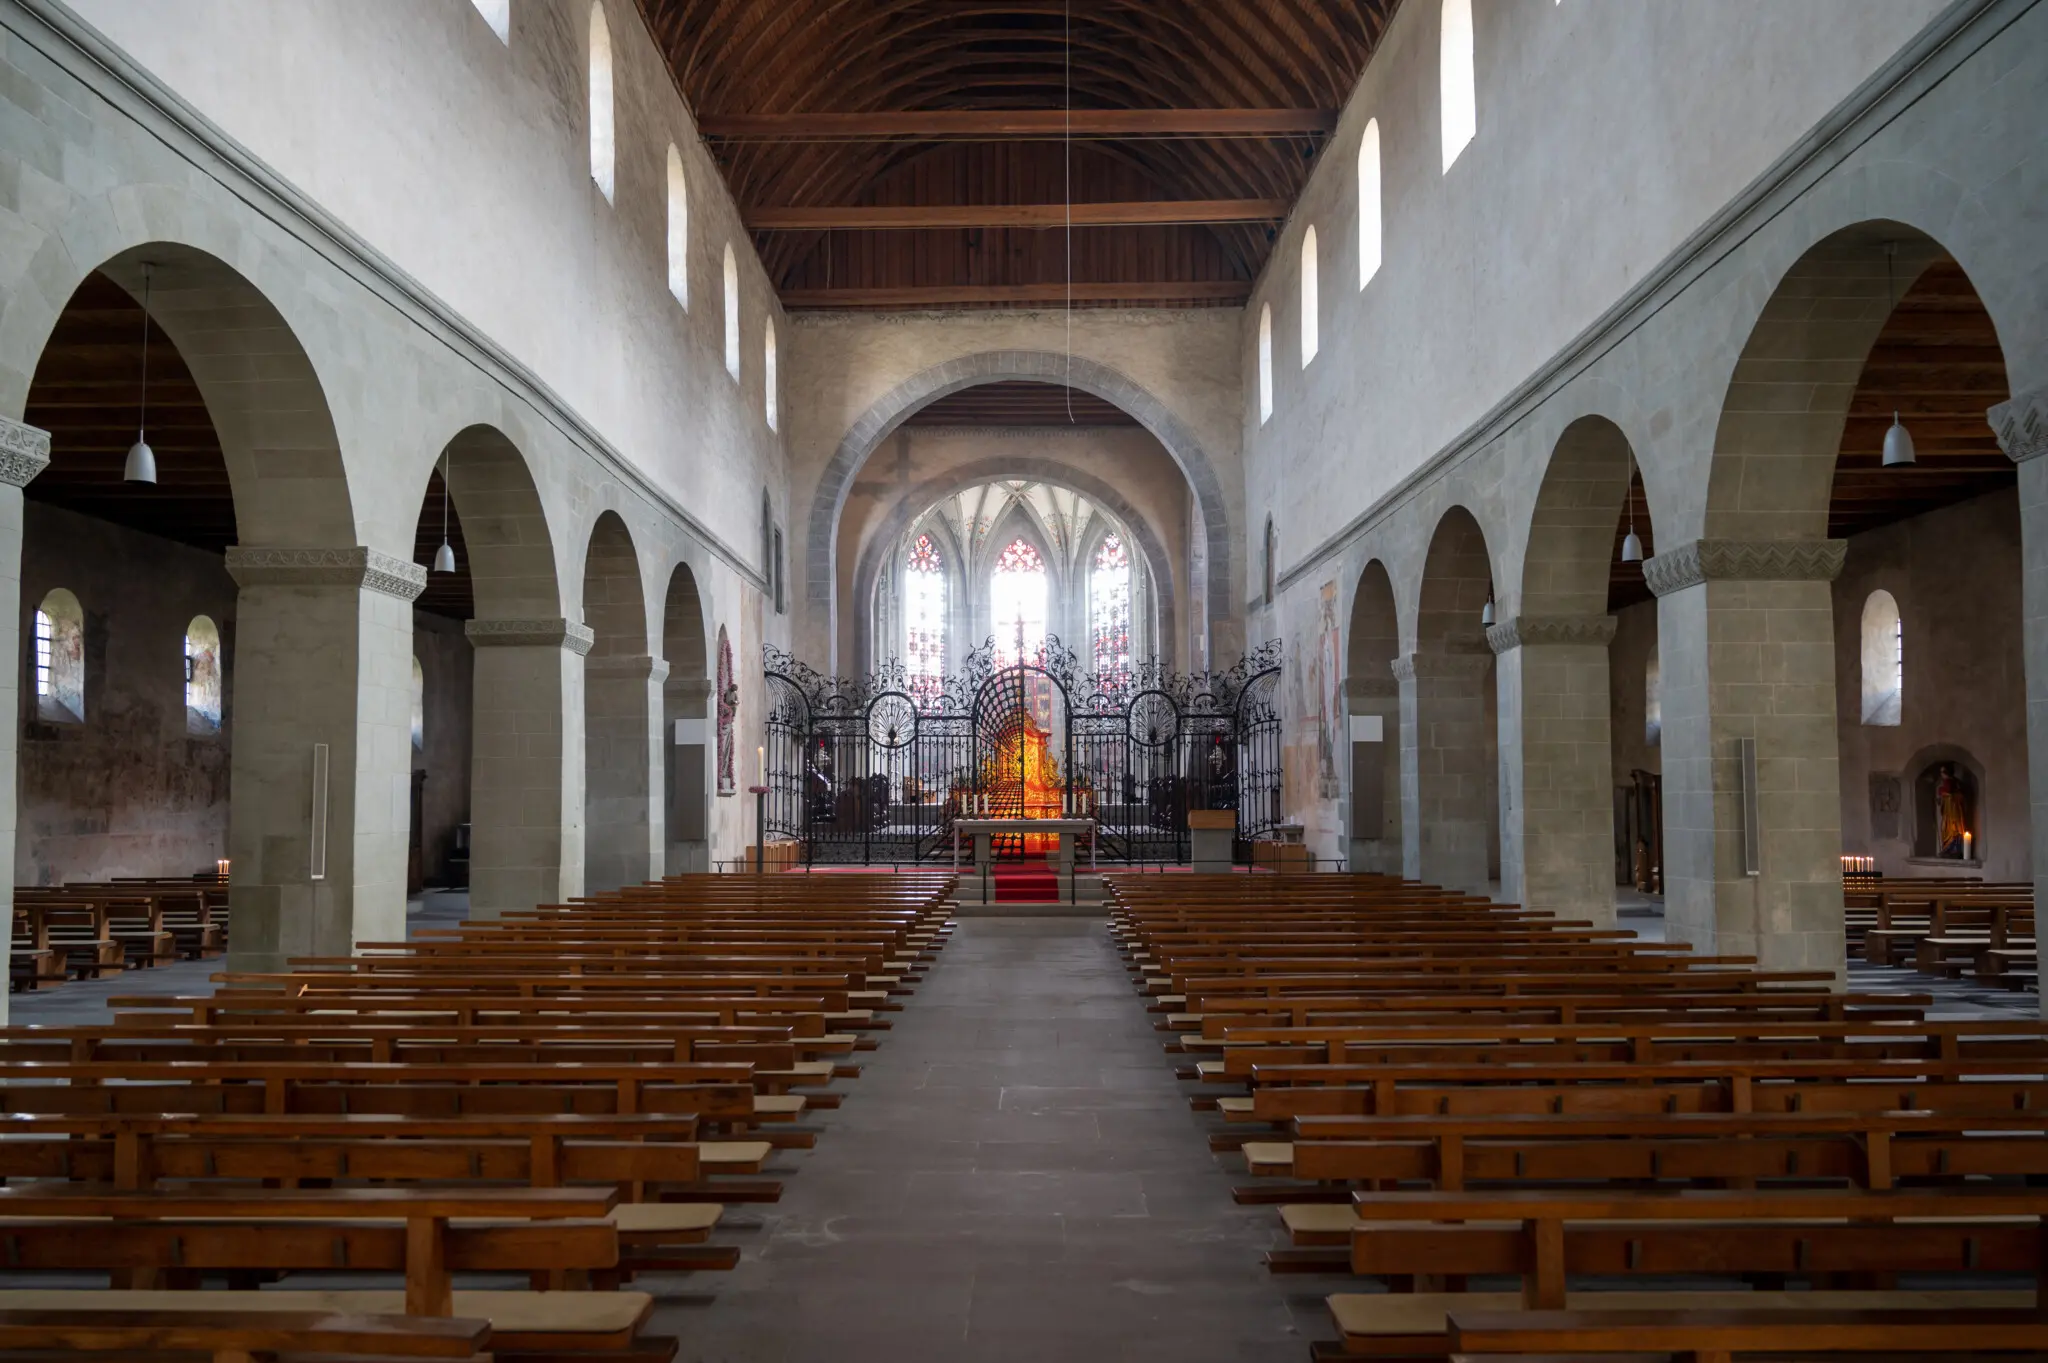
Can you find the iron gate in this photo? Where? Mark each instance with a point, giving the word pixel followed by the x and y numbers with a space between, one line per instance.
pixel 871 769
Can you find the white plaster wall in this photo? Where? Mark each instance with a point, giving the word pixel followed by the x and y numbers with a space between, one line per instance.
pixel 1609 132
pixel 465 160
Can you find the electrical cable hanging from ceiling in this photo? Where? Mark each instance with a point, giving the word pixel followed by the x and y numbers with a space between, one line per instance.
pixel 1067 145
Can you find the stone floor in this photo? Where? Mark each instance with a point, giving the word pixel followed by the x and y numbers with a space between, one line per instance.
pixel 1014 1176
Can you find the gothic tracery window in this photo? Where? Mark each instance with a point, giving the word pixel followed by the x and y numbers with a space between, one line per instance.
pixel 924 615
pixel 1109 608
pixel 1017 595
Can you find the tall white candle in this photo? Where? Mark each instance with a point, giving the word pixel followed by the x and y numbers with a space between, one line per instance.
pixel 760 766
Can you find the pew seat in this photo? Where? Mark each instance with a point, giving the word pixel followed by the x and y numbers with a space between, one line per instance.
pixel 227 1336
pixel 1417 1324
pixel 520 1320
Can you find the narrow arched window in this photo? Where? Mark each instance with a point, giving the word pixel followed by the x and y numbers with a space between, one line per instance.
pixel 601 115
pixel 1369 203
pixel 498 14
pixel 768 373
pixel 1109 609
pixel 1884 660
pixel 60 658
pixel 1265 363
pixel 924 620
pixel 678 229
pixel 732 312
pixel 1653 701
pixel 1017 595
pixel 202 677
pixel 1311 332
pixel 1459 92
pixel 419 706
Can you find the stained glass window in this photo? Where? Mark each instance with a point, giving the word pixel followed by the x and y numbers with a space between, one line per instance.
pixel 1109 608
pixel 924 614
pixel 1017 593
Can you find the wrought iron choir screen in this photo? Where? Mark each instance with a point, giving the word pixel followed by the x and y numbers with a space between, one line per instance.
pixel 876 768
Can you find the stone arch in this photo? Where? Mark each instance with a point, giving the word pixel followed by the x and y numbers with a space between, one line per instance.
pixel 509 548
pixel 1572 527
pixel 623 834
pixel 888 412
pixel 277 429
pixel 685 740
pixel 1780 425
pixel 1450 825
pixel 911 507
pixel 1372 693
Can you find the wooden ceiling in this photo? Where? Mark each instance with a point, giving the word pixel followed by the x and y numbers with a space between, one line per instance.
pixel 922 153
pixel 1020 404
pixel 1937 363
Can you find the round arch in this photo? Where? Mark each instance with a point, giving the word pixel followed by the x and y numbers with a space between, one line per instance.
pixel 1570 544
pixel 889 411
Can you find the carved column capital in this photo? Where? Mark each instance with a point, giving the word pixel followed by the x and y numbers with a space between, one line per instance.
pixel 2022 425
pixel 267 565
pixel 1696 561
pixel 546 632
pixel 1522 630
pixel 24 451
pixel 1447 666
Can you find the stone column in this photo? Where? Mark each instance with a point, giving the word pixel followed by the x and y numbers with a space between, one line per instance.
pixel 24 452
pixel 2022 427
pixel 1745 639
pixel 1556 774
pixel 321 772
pixel 1376 821
pixel 623 816
pixel 526 774
pixel 1444 809
pixel 686 811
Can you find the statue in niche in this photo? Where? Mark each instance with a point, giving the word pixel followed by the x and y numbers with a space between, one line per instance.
pixel 1951 812
pixel 728 711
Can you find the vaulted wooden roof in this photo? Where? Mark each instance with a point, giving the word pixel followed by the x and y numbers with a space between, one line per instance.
pixel 1186 127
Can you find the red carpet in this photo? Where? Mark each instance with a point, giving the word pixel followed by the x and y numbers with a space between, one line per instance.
pixel 1026 885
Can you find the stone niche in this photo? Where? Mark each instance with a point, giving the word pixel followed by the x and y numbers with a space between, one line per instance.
pixel 1924 775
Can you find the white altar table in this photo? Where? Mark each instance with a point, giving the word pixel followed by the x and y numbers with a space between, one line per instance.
pixel 983 832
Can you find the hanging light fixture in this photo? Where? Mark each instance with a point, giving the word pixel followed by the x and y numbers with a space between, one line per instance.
pixel 1898 441
pixel 444 557
pixel 141 465
pixel 1631 543
pixel 1486 611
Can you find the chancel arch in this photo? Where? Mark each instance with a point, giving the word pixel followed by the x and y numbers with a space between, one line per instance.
pixel 1210 596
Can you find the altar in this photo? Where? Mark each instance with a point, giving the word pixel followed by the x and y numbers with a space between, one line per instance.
pixel 984 831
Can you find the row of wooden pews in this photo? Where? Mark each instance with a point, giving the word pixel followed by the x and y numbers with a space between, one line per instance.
pixel 91 930
pixel 546 1106
pixel 1946 928
pixel 1539 1138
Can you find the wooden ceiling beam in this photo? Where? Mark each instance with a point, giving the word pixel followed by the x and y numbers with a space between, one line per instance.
pixel 941 295
pixel 1009 124
pixel 888 217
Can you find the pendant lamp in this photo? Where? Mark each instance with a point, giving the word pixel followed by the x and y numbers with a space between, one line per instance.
pixel 1898 441
pixel 1486 612
pixel 444 557
pixel 141 465
pixel 1631 543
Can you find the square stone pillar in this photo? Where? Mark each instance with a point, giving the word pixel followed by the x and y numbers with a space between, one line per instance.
pixel 1374 774
pixel 2022 427
pixel 1444 805
pixel 323 675
pixel 1745 640
pixel 526 773
pixel 623 818
pixel 1556 771
pixel 24 452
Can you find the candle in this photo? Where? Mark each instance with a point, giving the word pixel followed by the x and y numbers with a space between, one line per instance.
pixel 761 766
pixel 1966 847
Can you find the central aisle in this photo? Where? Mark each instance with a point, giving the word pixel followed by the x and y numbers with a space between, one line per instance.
pixel 1015 1172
